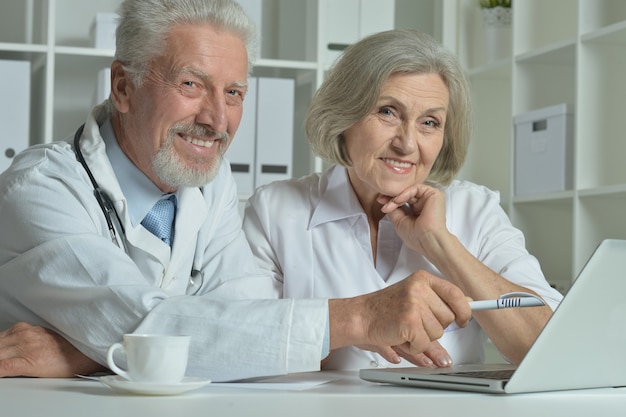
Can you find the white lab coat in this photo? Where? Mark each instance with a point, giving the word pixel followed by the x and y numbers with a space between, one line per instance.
pixel 60 269
pixel 312 235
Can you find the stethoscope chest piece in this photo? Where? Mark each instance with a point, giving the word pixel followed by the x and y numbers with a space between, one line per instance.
pixel 195 282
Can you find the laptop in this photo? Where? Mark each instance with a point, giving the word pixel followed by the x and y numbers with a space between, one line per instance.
pixel 582 345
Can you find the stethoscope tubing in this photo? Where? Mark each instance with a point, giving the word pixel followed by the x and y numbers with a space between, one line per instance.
pixel 101 197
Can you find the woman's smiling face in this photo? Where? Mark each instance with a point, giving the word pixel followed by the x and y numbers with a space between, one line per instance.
pixel 397 143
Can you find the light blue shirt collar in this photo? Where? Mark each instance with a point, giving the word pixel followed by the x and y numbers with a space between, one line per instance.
pixel 140 192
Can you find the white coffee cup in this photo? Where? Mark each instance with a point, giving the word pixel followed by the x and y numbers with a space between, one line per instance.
pixel 152 358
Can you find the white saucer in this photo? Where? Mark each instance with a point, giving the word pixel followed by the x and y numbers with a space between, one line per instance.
pixel 187 384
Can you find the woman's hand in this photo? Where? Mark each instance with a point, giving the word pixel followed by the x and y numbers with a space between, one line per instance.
pixel 417 212
pixel 418 215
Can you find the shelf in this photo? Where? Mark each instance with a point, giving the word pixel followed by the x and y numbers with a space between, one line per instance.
pixel 613 34
pixel 618 191
pixel 564 51
pixel 600 216
pixel 496 70
pixel 600 14
pixel 534 23
pixel 545 198
pixel 73 19
pixel 304 72
pixel 544 79
pixel 22 48
pixel 547 227
pixel 281 63
pixel 559 53
pixel 83 51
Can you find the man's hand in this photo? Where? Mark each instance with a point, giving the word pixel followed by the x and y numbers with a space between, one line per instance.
pixel 27 350
pixel 405 317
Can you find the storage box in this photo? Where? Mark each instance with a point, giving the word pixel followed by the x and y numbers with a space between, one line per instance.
pixel 14 109
pixel 103 30
pixel 543 154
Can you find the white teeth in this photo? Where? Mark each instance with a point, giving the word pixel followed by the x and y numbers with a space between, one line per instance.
pixel 397 163
pixel 206 144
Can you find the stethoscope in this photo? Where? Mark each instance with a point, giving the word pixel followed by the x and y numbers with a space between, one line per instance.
pixel 101 197
pixel 113 219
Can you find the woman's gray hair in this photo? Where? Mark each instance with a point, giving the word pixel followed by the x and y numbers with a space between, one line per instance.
pixel 353 85
pixel 144 24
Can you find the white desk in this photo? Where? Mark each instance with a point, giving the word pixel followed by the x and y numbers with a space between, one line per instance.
pixel 344 396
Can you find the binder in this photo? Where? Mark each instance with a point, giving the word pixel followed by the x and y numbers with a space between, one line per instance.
pixel 103 85
pixel 274 136
pixel 241 153
pixel 14 109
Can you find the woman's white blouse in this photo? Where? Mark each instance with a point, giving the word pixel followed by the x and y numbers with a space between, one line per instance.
pixel 312 236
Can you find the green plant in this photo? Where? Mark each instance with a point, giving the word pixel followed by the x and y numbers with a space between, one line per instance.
pixel 489 4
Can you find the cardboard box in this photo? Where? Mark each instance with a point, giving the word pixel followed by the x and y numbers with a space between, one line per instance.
pixel 543 154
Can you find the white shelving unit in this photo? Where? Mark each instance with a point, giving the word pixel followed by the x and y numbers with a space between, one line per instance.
pixel 563 51
pixel 54 35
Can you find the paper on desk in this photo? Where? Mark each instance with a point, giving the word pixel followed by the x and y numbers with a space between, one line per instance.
pixel 294 382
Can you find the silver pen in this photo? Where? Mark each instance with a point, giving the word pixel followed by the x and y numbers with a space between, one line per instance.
pixel 510 300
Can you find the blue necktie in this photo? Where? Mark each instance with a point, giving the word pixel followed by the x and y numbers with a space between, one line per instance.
pixel 159 220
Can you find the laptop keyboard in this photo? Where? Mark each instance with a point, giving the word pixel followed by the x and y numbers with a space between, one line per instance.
pixel 495 374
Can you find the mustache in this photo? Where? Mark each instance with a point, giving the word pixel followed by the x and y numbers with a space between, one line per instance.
pixel 194 129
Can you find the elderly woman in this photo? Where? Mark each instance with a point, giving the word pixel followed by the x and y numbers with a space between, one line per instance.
pixel 393 118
